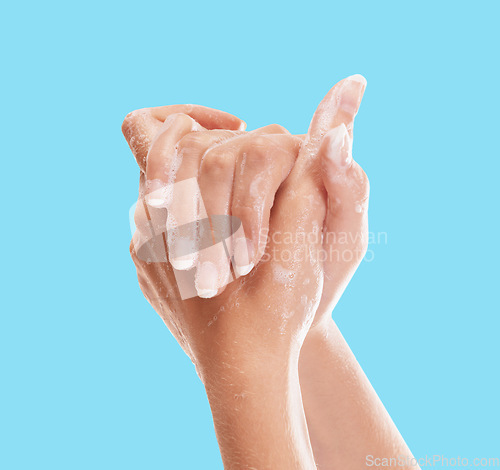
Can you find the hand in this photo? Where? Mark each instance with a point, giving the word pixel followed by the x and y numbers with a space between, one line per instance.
pixel 346 225
pixel 267 154
pixel 268 312
pixel 302 208
pixel 217 333
pixel 325 193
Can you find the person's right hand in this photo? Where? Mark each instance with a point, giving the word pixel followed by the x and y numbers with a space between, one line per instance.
pixel 327 155
pixel 225 165
pixel 244 341
pixel 326 193
pixel 267 312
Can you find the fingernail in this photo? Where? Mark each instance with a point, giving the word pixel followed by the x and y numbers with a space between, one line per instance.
pixel 339 143
pixel 183 263
pixel 351 93
pixel 243 255
pixel 357 78
pixel 206 280
pixel 156 193
pixel 182 254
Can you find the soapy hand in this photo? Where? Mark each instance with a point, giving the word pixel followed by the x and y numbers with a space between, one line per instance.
pixel 260 310
pixel 242 328
pixel 302 206
pixel 245 241
pixel 233 248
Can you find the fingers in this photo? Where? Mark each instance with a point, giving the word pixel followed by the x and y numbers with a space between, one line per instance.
pixel 216 184
pixel 340 105
pixel 345 237
pixel 348 190
pixel 193 146
pixel 226 172
pixel 345 181
pixel 147 239
pixel 186 208
pixel 139 129
pixel 213 271
pixel 141 126
pixel 223 166
pixel 216 178
pixel 264 164
pixel 161 192
pixel 163 159
pixel 303 201
pixel 206 117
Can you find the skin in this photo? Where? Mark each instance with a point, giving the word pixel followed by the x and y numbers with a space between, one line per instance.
pixel 249 338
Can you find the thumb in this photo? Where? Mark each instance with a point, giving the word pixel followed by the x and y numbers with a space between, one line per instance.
pixel 309 195
pixel 345 181
pixel 345 235
pixel 340 105
pixel 303 192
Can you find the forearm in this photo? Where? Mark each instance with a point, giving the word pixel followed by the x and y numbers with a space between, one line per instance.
pixel 346 419
pixel 258 415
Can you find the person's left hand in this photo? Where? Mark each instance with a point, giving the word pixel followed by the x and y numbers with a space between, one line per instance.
pixel 344 227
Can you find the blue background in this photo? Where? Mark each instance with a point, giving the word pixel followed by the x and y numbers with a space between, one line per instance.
pixel 90 376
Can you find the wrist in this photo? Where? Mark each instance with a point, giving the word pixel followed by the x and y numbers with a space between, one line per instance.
pixel 247 364
pixel 258 414
pixel 323 340
pixel 251 348
pixel 320 332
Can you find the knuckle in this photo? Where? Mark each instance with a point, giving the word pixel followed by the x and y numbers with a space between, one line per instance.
pixel 244 211
pixel 194 140
pixel 259 142
pixel 258 149
pixel 132 121
pixel 133 251
pixel 276 129
pixel 246 215
pixel 180 120
pixel 217 163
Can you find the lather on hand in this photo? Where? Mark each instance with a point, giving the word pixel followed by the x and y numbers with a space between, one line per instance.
pixel 246 328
